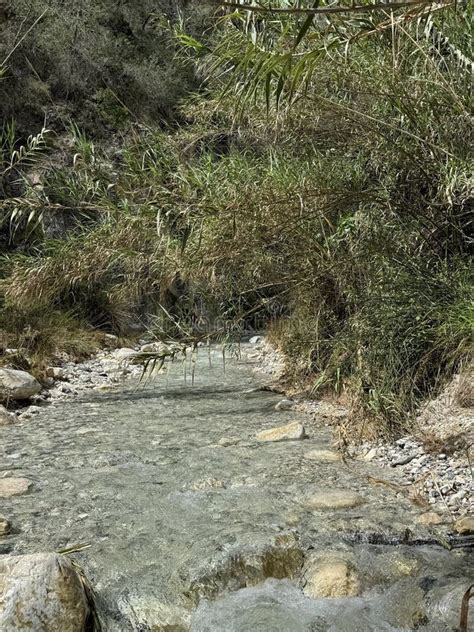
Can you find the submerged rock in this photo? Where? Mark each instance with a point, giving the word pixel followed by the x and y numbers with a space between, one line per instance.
pixel 226 442
pixel 290 432
pixel 14 487
pixel 17 385
pixel 330 576
pixel 323 456
pixel 333 499
pixel 148 613
pixel 5 526
pixel 41 592
pixel 464 526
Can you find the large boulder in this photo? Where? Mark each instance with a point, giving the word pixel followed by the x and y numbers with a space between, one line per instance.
pixel 17 385
pixel 41 593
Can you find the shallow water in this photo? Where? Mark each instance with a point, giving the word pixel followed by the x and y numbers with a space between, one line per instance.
pixel 186 534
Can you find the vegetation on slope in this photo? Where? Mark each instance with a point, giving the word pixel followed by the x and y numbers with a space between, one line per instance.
pixel 320 183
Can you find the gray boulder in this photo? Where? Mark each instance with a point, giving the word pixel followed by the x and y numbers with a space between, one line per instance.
pixel 17 385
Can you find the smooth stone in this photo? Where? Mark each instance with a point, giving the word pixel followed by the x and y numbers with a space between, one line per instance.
pixel 5 526
pixel 464 526
pixel 323 456
pixel 41 592
pixel 334 499
pixel 14 487
pixel 255 340
pixel 430 518
pixel 290 432
pixel 285 404
pixel 330 576
pixel 6 418
pixel 17 385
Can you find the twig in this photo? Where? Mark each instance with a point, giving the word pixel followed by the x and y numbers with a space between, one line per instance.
pixel 390 6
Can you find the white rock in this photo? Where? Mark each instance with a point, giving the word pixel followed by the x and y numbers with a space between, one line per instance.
pixel 290 432
pixel 42 593
pixel 255 340
pixel 17 385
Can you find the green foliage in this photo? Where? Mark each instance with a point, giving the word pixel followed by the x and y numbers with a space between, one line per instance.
pixel 322 186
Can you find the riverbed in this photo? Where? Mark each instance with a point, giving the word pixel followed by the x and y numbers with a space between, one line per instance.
pixel 193 524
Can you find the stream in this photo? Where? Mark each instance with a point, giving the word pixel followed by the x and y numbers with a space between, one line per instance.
pixel 194 525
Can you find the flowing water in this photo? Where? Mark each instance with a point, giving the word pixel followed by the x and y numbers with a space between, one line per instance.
pixel 187 534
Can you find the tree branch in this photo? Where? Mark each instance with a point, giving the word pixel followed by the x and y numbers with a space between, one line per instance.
pixel 382 6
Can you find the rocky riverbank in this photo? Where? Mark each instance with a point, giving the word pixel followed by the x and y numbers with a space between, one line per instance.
pixel 434 462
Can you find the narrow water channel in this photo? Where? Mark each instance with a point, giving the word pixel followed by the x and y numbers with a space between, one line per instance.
pixel 195 525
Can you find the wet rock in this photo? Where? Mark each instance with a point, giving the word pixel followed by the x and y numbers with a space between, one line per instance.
pixel 14 487
pixel 6 418
pixel 226 442
pixel 330 576
pixel 430 518
pixel 290 432
pixel 17 385
pixel 323 456
pixel 282 558
pixel 464 526
pixel 285 404
pixel 41 592
pixel 5 526
pixel 402 565
pixel 333 499
pixel 148 613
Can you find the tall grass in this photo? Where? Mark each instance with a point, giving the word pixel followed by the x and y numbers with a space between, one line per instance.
pixel 321 185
